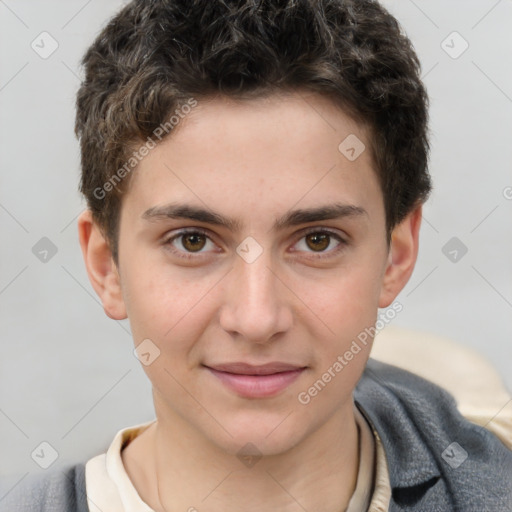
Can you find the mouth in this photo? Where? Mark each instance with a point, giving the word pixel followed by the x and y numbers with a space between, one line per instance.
pixel 252 381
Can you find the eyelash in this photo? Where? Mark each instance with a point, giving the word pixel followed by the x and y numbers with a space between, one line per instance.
pixel 320 255
pixel 181 254
pixel 342 243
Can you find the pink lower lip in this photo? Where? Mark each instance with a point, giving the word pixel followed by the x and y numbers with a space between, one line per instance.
pixel 257 386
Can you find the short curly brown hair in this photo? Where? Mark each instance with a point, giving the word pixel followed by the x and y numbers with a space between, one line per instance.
pixel 154 55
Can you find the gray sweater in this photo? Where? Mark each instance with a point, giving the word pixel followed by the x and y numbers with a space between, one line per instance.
pixel 438 461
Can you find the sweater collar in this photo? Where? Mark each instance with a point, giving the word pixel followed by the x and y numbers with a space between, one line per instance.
pixel 412 467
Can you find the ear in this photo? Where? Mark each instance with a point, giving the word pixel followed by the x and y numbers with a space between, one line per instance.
pixel 101 268
pixel 403 252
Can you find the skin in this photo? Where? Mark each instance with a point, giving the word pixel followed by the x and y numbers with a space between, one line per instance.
pixel 252 161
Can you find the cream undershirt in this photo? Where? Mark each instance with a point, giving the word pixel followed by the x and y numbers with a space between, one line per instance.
pixel 109 488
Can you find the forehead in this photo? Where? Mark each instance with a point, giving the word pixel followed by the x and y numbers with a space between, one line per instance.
pixel 262 153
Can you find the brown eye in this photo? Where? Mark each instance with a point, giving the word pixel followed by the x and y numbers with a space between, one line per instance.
pixel 191 244
pixel 318 241
pixel 193 241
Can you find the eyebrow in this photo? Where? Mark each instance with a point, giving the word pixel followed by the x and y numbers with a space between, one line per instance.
pixel 290 219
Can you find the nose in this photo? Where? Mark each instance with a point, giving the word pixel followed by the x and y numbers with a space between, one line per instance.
pixel 255 306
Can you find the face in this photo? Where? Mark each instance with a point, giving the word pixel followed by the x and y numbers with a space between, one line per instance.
pixel 252 253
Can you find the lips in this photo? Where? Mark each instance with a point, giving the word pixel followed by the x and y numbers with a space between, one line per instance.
pixel 249 369
pixel 256 381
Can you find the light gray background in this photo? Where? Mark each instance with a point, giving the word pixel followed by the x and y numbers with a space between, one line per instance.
pixel 67 373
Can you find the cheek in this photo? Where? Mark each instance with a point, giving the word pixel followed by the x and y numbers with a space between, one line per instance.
pixel 348 305
pixel 169 308
pixel 351 300
pixel 154 299
pixel 349 309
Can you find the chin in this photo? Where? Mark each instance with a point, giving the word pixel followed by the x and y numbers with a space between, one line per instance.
pixel 268 435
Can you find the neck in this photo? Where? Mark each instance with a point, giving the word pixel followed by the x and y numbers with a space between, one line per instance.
pixel 189 473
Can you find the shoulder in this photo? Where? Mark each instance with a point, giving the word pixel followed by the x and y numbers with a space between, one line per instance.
pixel 60 490
pixel 430 446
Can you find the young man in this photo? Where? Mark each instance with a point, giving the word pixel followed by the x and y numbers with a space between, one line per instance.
pixel 254 173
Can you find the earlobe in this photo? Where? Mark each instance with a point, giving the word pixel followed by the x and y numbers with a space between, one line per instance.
pixel 101 268
pixel 403 253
